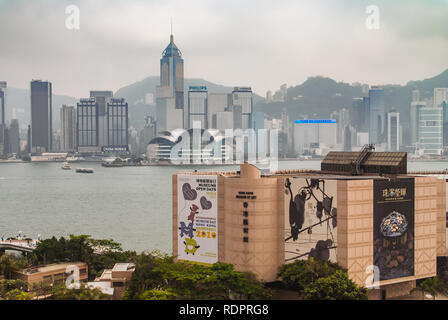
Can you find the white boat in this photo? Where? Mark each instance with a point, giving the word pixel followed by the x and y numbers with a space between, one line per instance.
pixel 66 166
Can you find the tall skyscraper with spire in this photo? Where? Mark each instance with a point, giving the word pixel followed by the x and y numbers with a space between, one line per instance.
pixel 170 92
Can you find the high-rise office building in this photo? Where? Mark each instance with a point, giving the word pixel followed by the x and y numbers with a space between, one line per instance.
pixel 41 116
pixel 393 131
pixel 102 124
pixel 87 126
pixel 243 97
pixel 414 121
pixel 218 102
pixel 377 113
pixel 357 114
pixel 430 130
pixel 102 98
pixel 440 95
pixel 14 136
pixel 170 93
pixel 117 126
pixel 3 98
pixel 68 128
pixel 197 109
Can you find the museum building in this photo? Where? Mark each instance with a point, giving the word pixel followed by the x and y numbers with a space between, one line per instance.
pixel 361 210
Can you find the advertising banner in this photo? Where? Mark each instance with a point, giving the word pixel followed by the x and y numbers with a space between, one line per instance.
pixel 310 219
pixel 197 218
pixel 393 229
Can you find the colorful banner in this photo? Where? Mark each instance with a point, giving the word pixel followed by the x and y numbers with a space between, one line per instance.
pixel 197 218
pixel 393 227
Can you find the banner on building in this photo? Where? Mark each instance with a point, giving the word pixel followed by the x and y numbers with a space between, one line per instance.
pixel 197 218
pixel 393 227
pixel 310 219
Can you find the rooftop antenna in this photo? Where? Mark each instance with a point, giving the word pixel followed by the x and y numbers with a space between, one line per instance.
pixel 171 24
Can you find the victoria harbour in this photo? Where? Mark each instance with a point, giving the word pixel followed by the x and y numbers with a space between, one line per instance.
pixel 130 204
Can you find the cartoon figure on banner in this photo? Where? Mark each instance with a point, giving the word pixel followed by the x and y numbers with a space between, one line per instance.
pixel 194 210
pixel 191 246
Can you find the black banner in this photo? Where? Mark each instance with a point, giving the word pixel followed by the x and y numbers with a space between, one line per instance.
pixel 393 227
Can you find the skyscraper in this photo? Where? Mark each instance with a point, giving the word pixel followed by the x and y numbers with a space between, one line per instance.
pixel 87 126
pixel 117 125
pixel 3 89
pixel 14 137
pixel 377 110
pixel 393 131
pixel 68 128
pixel 170 93
pixel 197 107
pixel 242 97
pixel 41 116
pixel 430 130
pixel 414 122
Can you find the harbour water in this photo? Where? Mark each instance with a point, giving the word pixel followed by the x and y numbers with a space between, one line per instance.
pixel 131 205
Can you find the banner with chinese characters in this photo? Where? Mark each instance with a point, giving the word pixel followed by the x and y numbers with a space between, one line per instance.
pixel 197 218
pixel 393 227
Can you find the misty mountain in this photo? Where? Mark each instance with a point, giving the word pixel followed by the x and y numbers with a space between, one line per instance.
pixel 318 97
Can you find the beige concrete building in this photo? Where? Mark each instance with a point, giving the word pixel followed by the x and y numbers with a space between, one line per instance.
pixel 387 230
pixel 114 281
pixel 53 274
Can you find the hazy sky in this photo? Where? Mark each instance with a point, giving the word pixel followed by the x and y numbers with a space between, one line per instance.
pixel 257 43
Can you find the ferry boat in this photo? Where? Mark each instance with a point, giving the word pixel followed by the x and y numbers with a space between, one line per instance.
pixel 66 166
pixel 84 170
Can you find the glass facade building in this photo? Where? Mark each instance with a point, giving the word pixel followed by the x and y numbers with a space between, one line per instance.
pixel 430 130
pixel 87 123
pixel 41 116
pixel 117 124
pixel 197 106
pixel 242 97
pixel 376 114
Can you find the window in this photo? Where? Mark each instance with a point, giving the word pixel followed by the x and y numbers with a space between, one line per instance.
pixel 245 213
pixel 246 230
pixel 246 222
pixel 245 239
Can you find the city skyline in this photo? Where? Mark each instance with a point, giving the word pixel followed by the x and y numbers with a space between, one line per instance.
pixel 274 45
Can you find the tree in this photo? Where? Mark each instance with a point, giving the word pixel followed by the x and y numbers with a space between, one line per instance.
pixel 334 287
pixel 9 285
pixel 156 294
pixel 82 293
pixel 8 265
pixel 156 274
pixel 432 286
pixel 299 274
pixel 18 294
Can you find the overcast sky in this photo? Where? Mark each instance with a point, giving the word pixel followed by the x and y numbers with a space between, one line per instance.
pixel 257 43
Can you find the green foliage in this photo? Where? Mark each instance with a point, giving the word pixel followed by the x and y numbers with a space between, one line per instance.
pixel 82 293
pixel 301 273
pixel 432 286
pixel 156 294
pixel 192 281
pixel 334 287
pixel 17 294
pixel 317 279
pixel 9 285
pixel 98 254
pixel 8 265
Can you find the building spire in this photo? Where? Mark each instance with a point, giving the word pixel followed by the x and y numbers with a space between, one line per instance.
pixel 171 35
